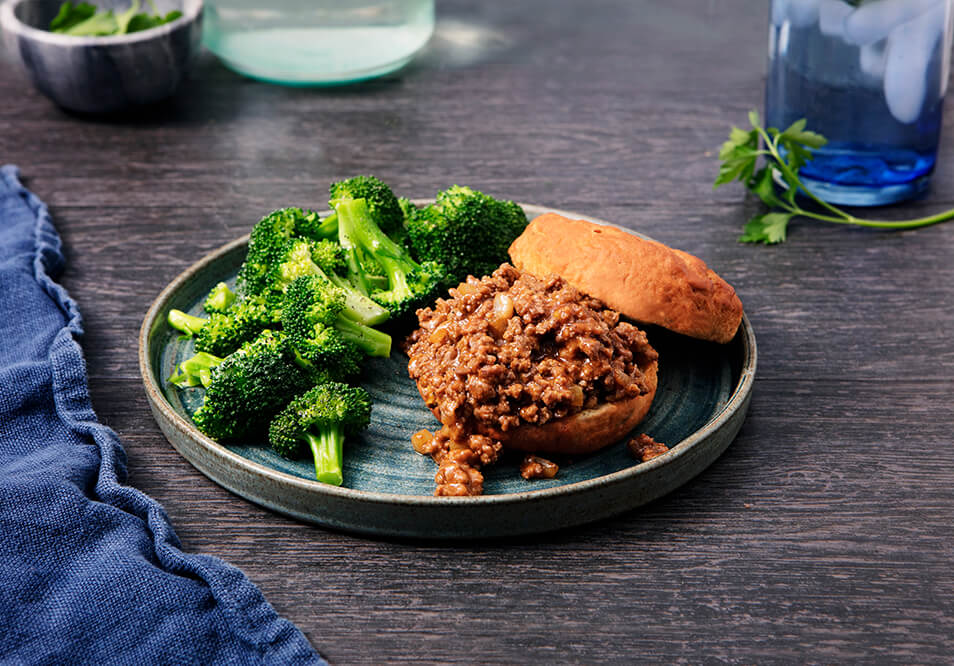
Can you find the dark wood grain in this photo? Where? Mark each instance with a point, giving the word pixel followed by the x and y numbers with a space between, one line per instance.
pixel 826 531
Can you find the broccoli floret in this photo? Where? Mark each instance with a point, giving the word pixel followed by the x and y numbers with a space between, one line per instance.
pixel 321 418
pixel 310 225
pixel 276 257
pixel 222 333
pixel 268 242
pixel 387 212
pixel 409 284
pixel 407 208
pixel 466 231
pixel 383 204
pixel 328 256
pixel 219 299
pixel 251 385
pixel 195 371
pixel 309 258
pixel 305 257
pixel 308 317
pixel 313 316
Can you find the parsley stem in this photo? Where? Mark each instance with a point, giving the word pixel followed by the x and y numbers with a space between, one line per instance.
pixel 880 224
pixel 841 217
pixel 792 177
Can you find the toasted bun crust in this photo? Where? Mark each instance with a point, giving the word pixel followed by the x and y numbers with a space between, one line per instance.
pixel 586 431
pixel 644 280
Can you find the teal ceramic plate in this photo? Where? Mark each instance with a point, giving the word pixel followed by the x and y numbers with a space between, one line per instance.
pixel 703 394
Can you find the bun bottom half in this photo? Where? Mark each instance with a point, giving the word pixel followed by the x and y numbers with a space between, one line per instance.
pixel 586 431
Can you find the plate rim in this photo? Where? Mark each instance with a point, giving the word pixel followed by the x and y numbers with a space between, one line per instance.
pixel 737 400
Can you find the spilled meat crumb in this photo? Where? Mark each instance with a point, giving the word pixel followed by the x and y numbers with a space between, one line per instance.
pixel 644 447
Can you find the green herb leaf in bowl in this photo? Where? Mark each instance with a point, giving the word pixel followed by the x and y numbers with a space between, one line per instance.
pixel 85 20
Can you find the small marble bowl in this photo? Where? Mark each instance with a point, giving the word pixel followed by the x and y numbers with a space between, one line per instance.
pixel 102 74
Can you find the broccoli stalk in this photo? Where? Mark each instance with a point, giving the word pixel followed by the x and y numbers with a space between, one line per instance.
pixel 409 283
pixel 196 371
pixel 328 229
pixel 369 340
pixel 187 324
pixel 328 451
pixel 356 273
pixel 359 307
pixel 321 419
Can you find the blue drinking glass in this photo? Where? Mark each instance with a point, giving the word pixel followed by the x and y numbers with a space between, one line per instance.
pixel 870 75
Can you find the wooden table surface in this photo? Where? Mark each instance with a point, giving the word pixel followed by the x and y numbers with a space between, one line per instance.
pixel 826 530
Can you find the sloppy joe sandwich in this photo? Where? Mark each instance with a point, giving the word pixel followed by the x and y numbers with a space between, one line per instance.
pixel 522 362
pixel 647 281
pixel 544 357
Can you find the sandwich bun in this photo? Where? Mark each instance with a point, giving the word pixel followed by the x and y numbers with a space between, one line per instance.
pixel 646 281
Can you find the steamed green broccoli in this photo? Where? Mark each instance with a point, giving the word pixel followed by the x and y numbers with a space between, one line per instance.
pixel 328 229
pixel 309 258
pixel 313 315
pixel 222 333
pixel 408 208
pixel 466 231
pixel 195 371
pixel 305 257
pixel 410 284
pixel 362 267
pixel 277 254
pixel 251 385
pixel 267 243
pixel 188 325
pixel 220 299
pixel 381 200
pixel 320 419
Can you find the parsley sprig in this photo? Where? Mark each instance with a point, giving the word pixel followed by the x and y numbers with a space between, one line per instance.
pixel 782 154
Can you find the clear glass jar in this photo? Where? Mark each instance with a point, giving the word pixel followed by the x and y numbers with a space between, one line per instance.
pixel 302 42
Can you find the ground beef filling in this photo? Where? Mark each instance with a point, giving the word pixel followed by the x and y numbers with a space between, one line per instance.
pixel 511 349
pixel 645 448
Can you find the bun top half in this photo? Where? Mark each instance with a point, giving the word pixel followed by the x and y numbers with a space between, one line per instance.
pixel 646 281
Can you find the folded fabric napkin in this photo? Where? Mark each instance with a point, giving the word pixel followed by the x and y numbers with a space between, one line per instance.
pixel 90 569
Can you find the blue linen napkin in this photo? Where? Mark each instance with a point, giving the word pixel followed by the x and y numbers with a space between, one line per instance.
pixel 90 569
